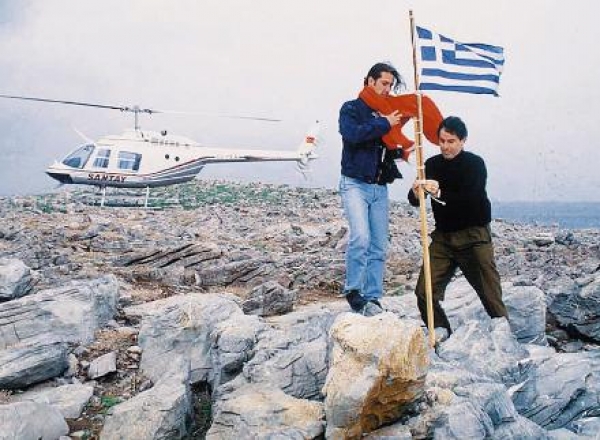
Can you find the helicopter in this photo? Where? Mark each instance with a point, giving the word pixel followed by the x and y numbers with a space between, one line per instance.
pixel 139 158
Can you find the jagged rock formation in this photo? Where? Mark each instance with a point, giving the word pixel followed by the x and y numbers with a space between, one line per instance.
pixel 239 296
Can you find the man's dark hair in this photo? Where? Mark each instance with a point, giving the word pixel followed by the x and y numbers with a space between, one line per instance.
pixel 454 125
pixel 376 71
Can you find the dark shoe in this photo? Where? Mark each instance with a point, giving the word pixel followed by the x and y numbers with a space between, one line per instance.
pixel 356 300
pixel 377 303
pixel 441 334
pixel 371 309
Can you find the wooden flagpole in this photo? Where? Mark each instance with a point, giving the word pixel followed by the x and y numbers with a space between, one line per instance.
pixel 418 124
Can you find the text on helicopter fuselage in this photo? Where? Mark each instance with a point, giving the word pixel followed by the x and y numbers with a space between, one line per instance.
pixel 106 177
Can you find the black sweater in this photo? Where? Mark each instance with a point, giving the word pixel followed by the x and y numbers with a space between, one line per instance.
pixel 462 183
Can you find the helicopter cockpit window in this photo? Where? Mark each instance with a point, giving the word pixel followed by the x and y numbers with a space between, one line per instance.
pixel 79 157
pixel 102 158
pixel 129 161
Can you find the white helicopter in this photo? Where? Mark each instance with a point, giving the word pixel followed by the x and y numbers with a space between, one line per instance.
pixel 144 159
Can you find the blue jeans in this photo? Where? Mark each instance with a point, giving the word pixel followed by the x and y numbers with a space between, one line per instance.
pixel 366 208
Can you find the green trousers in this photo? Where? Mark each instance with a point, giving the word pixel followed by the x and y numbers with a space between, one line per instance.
pixel 472 252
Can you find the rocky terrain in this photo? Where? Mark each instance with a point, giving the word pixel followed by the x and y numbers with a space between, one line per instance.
pixel 216 313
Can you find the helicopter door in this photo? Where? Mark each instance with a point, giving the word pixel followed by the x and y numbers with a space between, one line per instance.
pixel 79 157
pixel 129 161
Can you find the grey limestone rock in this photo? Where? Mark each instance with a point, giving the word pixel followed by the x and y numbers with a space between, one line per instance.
pixel 494 400
pixel 180 327
pixel 15 279
pixel 464 421
pixel 587 426
pixel 162 412
pixel 250 271
pixel 31 421
pixel 488 349
pixel 292 355
pixel 249 235
pixel 27 364
pixel 520 429
pixel 560 389
pixel 580 309
pixel 71 313
pixel 103 365
pixel 68 399
pixel 565 434
pixel 269 299
pixel 35 330
pixel 392 432
pixel 232 345
pixel 526 308
pixel 263 412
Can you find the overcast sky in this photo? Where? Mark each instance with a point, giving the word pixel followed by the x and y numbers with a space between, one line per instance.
pixel 298 61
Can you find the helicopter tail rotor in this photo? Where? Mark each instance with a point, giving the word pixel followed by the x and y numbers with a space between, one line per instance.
pixel 311 141
pixel 307 148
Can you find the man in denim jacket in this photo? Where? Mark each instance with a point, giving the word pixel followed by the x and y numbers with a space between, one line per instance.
pixel 364 194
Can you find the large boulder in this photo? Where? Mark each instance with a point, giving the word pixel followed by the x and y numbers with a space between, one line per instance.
pixel 35 330
pixel 292 354
pixel 21 366
pixel 181 328
pixel 70 313
pixel 232 344
pixel 378 368
pixel 486 349
pixel 526 308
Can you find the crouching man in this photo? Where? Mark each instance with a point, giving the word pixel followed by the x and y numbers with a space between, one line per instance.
pixel 462 213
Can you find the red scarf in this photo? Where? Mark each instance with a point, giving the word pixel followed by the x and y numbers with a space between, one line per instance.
pixel 407 106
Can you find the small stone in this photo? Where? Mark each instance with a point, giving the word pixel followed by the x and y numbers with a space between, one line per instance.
pixel 134 349
pixel 572 347
pixel 103 365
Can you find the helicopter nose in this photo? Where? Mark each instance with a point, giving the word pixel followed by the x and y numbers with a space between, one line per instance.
pixel 61 177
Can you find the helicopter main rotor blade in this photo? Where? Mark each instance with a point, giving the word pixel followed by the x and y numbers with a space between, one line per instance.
pixel 216 115
pixel 136 109
pixel 58 101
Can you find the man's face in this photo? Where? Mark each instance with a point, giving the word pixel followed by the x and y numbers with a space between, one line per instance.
pixel 450 144
pixel 383 84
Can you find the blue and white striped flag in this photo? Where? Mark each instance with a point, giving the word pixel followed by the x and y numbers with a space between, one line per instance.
pixel 458 67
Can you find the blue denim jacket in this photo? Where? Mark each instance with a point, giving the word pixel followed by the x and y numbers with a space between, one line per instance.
pixel 361 129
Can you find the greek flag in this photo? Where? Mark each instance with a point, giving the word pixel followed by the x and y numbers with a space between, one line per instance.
pixel 458 67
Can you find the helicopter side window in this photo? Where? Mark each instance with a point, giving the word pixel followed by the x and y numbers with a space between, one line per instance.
pixel 102 158
pixel 79 157
pixel 129 161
